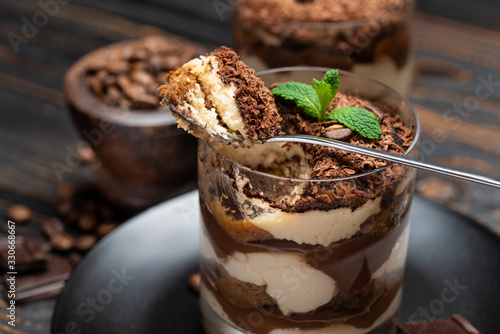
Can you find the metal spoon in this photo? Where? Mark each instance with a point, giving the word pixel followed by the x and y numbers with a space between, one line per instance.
pixel 387 156
pixel 307 139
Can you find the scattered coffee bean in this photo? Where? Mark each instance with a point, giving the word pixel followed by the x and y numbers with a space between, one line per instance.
pixel 86 153
pixel 74 258
pixel 194 282
pixel 85 242
pixel 86 222
pixel 105 228
pixel 337 132
pixel 19 213
pixel 65 191
pixel 64 206
pixel 62 242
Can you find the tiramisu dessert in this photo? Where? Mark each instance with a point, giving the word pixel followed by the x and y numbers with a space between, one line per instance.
pixel 369 37
pixel 298 238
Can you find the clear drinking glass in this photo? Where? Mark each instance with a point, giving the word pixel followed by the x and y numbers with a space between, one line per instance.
pixel 338 265
pixel 378 46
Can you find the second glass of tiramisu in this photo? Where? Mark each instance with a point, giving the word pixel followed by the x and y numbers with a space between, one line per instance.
pixel 370 37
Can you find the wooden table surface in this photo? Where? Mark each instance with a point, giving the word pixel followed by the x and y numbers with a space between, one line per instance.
pixel 456 91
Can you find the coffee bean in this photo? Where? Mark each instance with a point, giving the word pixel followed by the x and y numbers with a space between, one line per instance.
pixel 126 52
pixel 170 62
pixel 86 153
pixel 376 111
pixel 124 83
pixel 139 65
pixel 155 63
pixel 86 222
pixel 139 54
pixel 112 95
pixel 337 132
pixel 62 242
pixel 19 213
pixel 52 226
pixel 105 228
pixel 124 103
pixel 144 78
pixel 118 67
pixel 160 76
pixel 74 258
pixel 135 92
pixel 194 282
pixel 145 101
pixel 65 191
pixel 96 85
pixel 64 206
pixel 85 242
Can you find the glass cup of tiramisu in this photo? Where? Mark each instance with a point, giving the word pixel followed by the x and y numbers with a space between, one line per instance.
pixel 296 238
pixel 371 37
pixel 304 239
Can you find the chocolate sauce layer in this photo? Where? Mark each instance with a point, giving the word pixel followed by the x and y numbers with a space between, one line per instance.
pixel 264 320
pixel 350 263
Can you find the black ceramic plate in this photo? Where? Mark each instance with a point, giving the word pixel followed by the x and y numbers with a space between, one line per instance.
pixel 135 279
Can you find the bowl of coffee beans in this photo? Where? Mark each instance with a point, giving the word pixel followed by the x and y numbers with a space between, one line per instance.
pixel 142 157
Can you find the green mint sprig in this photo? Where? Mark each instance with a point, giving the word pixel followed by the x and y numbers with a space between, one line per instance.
pixel 316 99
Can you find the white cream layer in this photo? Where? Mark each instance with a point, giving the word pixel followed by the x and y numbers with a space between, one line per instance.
pixel 396 260
pixel 317 227
pixel 294 285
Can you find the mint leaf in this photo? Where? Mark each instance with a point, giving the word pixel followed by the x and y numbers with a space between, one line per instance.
pixel 359 120
pixel 325 96
pixel 332 78
pixel 315 101
pixel 304 96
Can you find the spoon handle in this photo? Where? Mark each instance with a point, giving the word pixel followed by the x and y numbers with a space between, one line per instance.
pixel 387 156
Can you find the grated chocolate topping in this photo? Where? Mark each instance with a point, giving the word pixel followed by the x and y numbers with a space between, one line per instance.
pixel 329 163
pixel 254 99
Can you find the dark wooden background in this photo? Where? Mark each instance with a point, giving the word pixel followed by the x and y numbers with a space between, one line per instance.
pixel 457 48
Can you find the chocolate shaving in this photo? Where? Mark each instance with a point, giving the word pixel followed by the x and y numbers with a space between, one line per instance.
pixel 254 100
